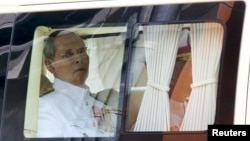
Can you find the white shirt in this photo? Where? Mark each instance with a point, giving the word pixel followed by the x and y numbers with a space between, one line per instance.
pixel 67 112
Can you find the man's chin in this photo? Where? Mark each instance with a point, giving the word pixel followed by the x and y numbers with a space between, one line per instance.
pixel 80 77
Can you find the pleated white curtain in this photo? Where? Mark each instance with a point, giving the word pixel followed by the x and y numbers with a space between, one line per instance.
pixel 206 47
pixel 161 45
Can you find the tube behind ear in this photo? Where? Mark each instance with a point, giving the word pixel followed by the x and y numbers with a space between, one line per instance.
pixel 49 65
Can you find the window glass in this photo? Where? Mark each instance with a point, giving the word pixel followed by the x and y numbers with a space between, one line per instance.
pixel 173 77
pixel 98 54
pixel 6 24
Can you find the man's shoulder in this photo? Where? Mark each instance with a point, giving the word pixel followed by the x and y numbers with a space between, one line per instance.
pixel 47 98
pixel 45 86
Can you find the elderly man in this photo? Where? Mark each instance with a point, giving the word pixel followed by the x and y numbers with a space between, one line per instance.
pixel 70 110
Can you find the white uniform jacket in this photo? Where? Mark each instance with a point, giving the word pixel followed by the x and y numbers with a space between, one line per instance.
pixel 68 112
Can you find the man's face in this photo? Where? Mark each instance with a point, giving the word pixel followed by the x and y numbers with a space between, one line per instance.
pixel 71 61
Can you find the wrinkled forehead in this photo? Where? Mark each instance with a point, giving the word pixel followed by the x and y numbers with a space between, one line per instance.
pixel 69 40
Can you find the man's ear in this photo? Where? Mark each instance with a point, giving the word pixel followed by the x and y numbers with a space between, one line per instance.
pixel 49 65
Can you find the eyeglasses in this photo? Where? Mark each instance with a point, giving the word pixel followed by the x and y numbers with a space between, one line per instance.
pixel 69 53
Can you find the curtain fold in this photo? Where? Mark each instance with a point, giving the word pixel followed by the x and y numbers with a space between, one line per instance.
pixel 206 47
pixel 161 45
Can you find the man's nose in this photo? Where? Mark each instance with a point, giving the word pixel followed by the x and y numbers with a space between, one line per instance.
pixel 79 59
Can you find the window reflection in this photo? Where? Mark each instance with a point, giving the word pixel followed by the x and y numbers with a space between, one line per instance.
pixel 180 77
